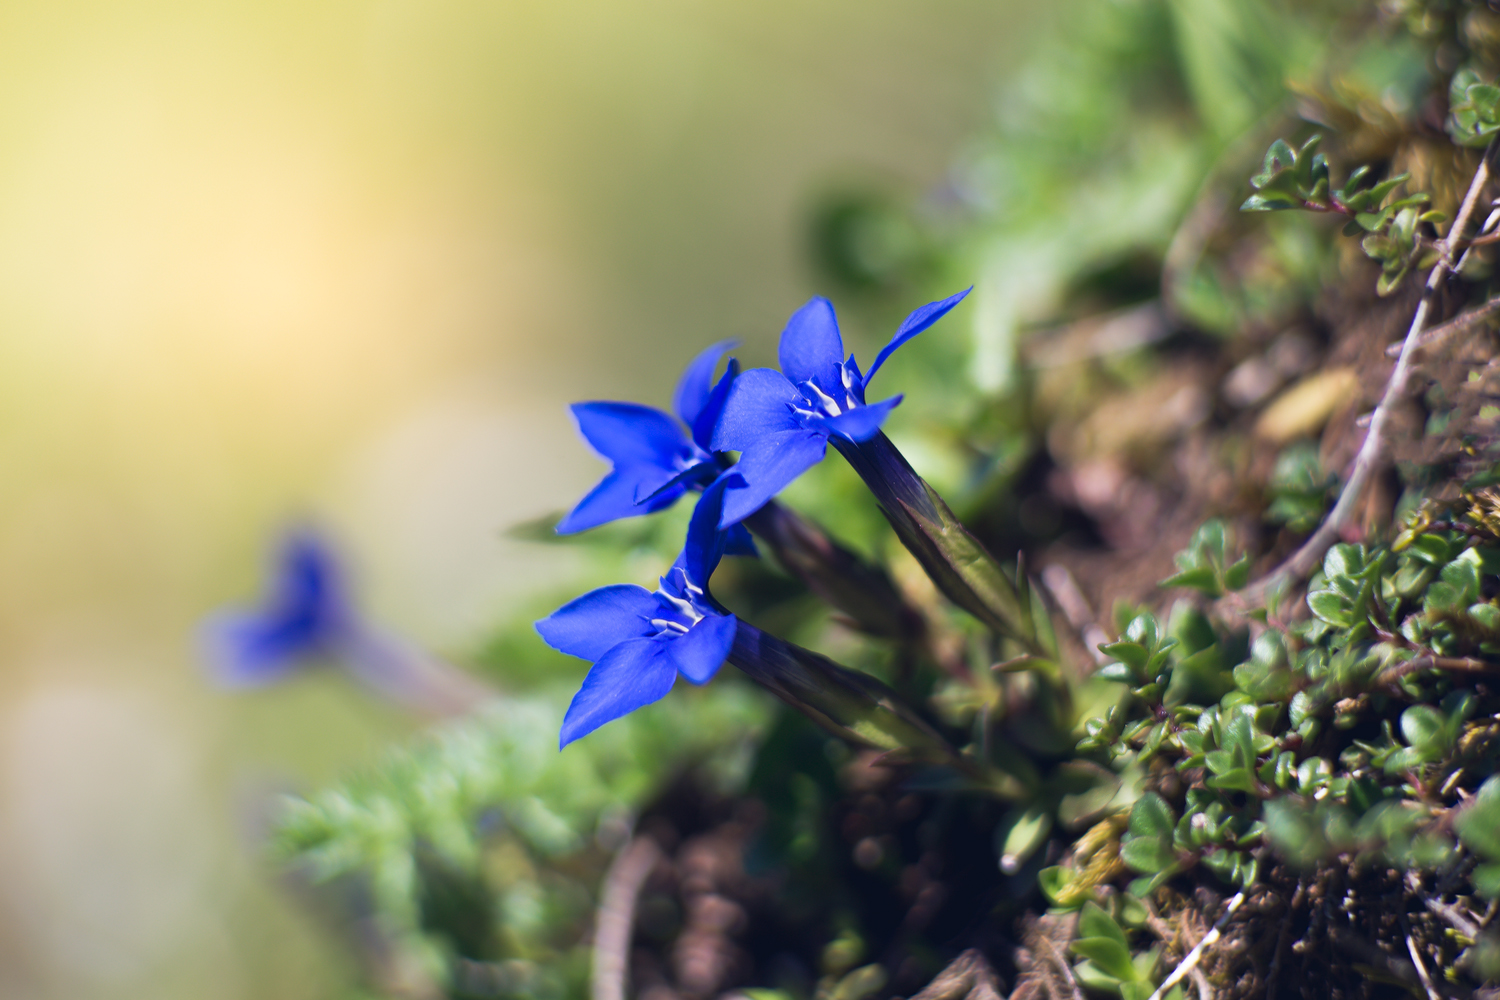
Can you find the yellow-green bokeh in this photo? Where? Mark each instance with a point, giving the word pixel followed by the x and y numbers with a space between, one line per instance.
pixel 348 260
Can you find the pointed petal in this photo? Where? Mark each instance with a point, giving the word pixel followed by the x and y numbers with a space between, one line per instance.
pixel 919 320
pixel 705 542
pixel 701 652
pixel 615 497
pixel 697 382
pixel 252 650
pixel 707 420
pixel 301 617
pixel 860 423
pixel 768 466
pixel 589 626
pixel 632 674
pixel 693 477
pixel 630 434
pixel 811 348
pixel 737 542
pixel 760 403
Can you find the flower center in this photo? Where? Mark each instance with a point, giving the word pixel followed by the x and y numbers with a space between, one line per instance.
pixel 684 606
pixel 820 404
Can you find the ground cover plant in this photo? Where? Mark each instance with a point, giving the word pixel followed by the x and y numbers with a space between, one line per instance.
pixel 1152 652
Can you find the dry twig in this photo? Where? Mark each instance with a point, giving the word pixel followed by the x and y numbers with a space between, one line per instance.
pixel 1061 961
pixel 967 977
pixel 1416 959
pixel 1372 451
pixel 616 916
pixel 1193 957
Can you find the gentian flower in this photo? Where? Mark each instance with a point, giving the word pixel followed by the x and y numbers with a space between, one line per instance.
pixel 653 461
pixel 304 618
pixel 308 618
pixel 640 640
pixel 781 421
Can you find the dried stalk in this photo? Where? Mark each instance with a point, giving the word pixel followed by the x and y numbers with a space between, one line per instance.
pixel 1372 451
pixel 1416 959
pixel 1190 962
pixel 616 916
pixel 1061 961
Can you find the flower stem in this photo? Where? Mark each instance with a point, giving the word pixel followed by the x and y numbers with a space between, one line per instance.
pixel 840 577
pixel 955 560
pixel 851 705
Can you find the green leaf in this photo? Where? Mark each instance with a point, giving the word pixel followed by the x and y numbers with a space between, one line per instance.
pixel 1147 855
pixel 1056 884
pixel 1094 978
pixel 1331 607
pixel 1151 817
pixel 1132 654
pixel 1422 726
pixel 1112 957
pixel 1487 880
pixel 1116 671
pixel 1478 823
pixel 1143 630
pixel 1200 578
pixel 1237 575
pixel 1020 834
pixel 1095 922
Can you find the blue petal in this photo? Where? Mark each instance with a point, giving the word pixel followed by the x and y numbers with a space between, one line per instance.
pixel 703 426
pixel 768 465
pixel 811 348
pixel 759 403
pixel 860 423
pixel 304 614
pixel 589 626
pixel 697 381
pixel 632 674
pixel 701 652
pixel 692 477
pixel 737 542
pixel 630 434
pixel 914 324
pixel 251 650
pixel 615 497
pixel 705 542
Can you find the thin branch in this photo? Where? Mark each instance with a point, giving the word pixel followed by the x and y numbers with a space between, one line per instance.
pixel 1416 959
pixel 1169 937
pixel 616 916
pixel 1075 608
pixel 1372 451
pixel 1462 323
pixel 1281 939
pixel 1463 664
pixel 1196 955
pixel 1059 960
pixel 967 977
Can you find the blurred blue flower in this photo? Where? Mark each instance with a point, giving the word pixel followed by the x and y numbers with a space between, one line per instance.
pixel 308 618
pixel 780 421
pixel 305 617
pixel 639 640
pixel 654 462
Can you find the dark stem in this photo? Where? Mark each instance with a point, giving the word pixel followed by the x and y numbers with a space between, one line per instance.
pixel 851 705
pixel 960 567
pixel 839 576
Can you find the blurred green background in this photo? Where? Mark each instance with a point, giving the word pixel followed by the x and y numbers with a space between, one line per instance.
pixel 349 261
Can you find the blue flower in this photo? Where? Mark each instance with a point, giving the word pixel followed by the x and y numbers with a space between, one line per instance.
pixel 306 617
pixel 781 421
pixel 653 461
pixel 639 640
